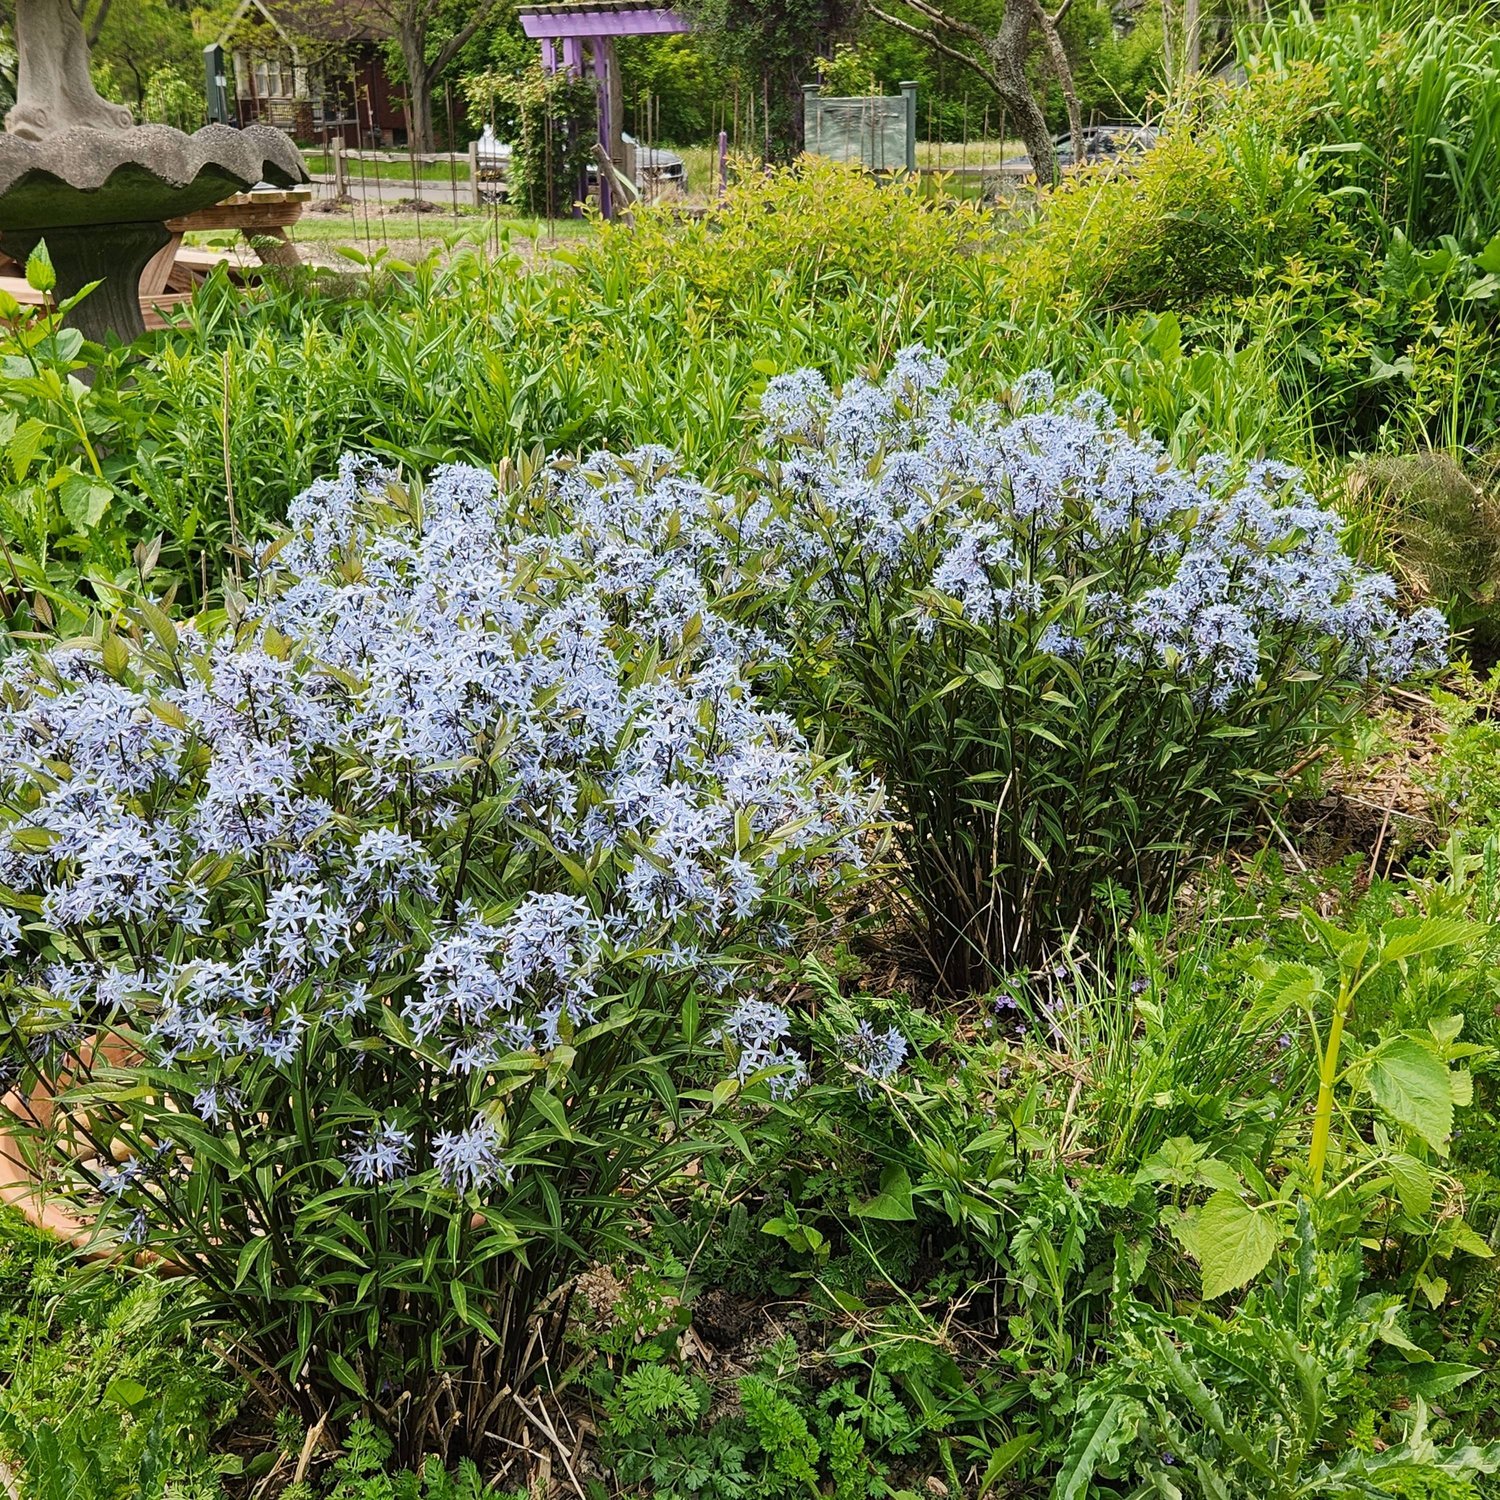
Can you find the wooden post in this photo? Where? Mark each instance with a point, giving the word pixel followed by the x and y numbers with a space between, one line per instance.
pixel 474 195
pixel 340 181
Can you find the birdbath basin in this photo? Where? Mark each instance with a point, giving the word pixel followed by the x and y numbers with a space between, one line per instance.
pixel 77 173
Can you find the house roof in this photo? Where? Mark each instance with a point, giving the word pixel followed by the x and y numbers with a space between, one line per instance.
pixel 321 20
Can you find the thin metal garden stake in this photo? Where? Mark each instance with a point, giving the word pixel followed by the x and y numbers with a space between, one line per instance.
pixel 452 168
pixel 359 154
pixel 411 157
pixel 234 525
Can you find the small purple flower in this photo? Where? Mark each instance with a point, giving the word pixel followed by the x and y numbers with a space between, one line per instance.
pixel 379 1155
pixel 212 1102
pixel 879 1054
pixel 116 1182
pixel 468 1160
pixel 757 1030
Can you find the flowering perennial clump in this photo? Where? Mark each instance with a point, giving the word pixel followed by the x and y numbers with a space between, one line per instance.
pixel 1071 660
pixel 409 881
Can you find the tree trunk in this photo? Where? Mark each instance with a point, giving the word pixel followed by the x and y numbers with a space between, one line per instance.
pixel 1007 51
pixel 1064 71
pixel 413 41
pixel 1192 38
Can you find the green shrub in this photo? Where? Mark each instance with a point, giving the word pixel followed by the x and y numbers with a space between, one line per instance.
pixel 171 100
pixel 815 229
pixel 1410 121
pixel 1441 532
pixel 102 1397
pixel 1256 1406
pixel 1221 200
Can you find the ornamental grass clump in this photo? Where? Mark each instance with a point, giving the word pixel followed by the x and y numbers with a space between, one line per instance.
pixel 1072 664
pixel 378 940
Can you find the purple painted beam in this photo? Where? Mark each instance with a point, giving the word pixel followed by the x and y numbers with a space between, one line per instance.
pixel 647 21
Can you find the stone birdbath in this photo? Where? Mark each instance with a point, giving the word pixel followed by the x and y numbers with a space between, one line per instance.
pixel 76 172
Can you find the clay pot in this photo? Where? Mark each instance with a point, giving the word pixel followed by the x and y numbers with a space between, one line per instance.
pixel 20 1189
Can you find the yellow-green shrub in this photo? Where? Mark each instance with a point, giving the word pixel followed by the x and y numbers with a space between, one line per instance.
pixel 1223 195
pixel 813 226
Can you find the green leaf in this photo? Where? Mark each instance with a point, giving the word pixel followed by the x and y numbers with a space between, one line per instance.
pixel 1464 1238
pixel 40 276
pixel 1411 1084
pixel 892 1202
pixel 125 1392
pixel 1235 1242
pixel 1004 1459
pixel 1413 1184
pixel 1437 1379
pixel 1409 936
pixel 551 1108
pixel 344 1373
pixel 1098 1435
pixel 1291 986
pixel 84 501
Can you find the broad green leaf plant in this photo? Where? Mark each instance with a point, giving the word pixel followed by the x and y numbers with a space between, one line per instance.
pixel 1384 1109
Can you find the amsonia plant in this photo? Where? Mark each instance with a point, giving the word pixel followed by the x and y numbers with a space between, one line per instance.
pixel 366 950
pixel 1071 662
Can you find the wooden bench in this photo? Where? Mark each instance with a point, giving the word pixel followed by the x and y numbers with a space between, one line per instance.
pixel 262 217
pixel 192 265
pixel 154 305
pixel 172 274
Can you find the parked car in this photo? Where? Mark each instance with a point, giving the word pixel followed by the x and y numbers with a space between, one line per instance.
pixel 1100 143
pixel 654 167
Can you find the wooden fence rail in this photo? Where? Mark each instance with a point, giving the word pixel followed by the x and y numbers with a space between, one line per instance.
pixel 340 156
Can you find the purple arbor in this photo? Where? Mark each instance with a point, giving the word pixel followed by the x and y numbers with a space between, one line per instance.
pixel 586 31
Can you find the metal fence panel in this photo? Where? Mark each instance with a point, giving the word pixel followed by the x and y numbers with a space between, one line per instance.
pixel 874 132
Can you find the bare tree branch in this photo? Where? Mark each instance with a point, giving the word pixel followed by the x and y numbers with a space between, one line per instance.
pixel 1003 65
pixel 942 19
pixel 96 26
pixel 965 58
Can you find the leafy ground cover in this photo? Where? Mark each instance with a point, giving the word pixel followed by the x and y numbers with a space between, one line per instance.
pixel 848 848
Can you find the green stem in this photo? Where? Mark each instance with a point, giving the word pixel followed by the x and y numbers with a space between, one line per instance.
pixel 1328 1069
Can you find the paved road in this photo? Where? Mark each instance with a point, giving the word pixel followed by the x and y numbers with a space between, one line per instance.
pixel 389 191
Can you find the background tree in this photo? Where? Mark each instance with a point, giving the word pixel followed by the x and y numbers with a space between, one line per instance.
pixel 426 39
pixel 428 36
pixel 129 41
pixel 999 54
pixel 773 45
